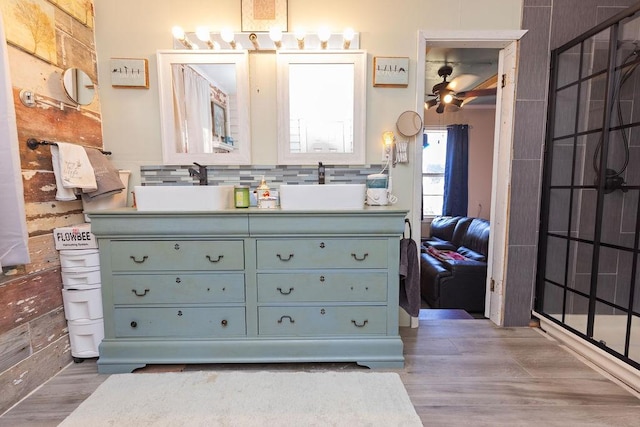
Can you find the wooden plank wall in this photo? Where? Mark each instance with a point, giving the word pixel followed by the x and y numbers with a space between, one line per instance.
pixel 34 341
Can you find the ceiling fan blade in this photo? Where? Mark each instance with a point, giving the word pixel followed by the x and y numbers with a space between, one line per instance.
pixel 478 92
pixel 456 102
pixel 462 81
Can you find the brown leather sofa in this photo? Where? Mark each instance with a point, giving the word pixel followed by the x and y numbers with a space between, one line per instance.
pixel 453 263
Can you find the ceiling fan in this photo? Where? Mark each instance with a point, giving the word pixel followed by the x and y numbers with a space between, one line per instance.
pixel 444 94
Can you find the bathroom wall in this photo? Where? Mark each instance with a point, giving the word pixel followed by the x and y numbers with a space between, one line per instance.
pixel 481 123
pixel 34 343
pixel 131 116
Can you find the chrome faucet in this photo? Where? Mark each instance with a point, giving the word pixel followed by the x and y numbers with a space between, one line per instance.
pixel 201 173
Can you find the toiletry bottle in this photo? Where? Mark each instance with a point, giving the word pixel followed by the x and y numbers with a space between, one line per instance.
pixel 263 193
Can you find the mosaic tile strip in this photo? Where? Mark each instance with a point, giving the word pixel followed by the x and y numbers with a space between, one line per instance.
pixel 251 175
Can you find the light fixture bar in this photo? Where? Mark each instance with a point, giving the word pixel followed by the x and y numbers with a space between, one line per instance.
pixel 262 42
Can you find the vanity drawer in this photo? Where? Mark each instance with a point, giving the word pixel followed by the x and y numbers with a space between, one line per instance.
pixel 178 288
pixel 201 322
pixel 162 255
pixel 353 286
pixel 321 253
pixel 329 320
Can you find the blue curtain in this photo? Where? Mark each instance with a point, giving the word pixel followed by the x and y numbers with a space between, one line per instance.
pixel 456 171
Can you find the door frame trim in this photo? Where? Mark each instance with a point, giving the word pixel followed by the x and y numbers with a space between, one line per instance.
pixel 491 39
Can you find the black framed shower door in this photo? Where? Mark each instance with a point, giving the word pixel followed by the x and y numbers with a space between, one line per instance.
pixel 588 275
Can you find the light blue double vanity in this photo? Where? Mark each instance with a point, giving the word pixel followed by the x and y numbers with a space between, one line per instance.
pixel 249 286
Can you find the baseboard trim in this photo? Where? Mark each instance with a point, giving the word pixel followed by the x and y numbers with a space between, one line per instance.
pixel 623 372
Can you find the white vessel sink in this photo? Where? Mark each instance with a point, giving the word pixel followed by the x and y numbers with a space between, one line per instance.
pixel 186 198
pixel 322 197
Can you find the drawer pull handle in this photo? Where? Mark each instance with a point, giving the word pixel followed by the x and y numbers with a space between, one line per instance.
pixel 215 260
pixel 134 324
pixel 178 280
pixel 286 317
pixel 179 312
pixel 144 258
pixel 360 259
pixel 284 259
pixel 285 293
pixel 322 245
pixel 177 247
pixel 135 291
pixel 224 323
pixel 362 325
pixel 322 278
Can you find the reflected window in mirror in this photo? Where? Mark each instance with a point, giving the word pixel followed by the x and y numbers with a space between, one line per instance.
pixel 321 107
pixel 78 86
pixel 204 99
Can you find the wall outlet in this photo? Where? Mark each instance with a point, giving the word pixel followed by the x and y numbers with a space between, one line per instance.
pixel 386 153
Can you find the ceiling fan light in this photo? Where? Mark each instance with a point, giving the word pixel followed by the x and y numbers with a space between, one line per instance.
pixel 447 98
pixel 440 108
pixel 457 102
pixel 431 103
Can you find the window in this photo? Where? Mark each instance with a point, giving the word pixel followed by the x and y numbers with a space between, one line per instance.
pixel 434 157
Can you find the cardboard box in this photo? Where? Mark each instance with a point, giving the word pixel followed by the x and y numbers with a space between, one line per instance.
pixel 75 237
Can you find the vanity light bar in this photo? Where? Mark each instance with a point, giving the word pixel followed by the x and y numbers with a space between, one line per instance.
pixel 263 42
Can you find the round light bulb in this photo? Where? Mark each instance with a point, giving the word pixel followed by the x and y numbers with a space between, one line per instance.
pixel 227 35
pixel 324 33
pixel 299 33
pixel 178 32
pixel 202 33
pixel 348 34
pixel 275 34
pixel 447 98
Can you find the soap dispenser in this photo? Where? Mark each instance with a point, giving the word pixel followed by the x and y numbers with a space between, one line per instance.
pixel 321 173
pixel 263 195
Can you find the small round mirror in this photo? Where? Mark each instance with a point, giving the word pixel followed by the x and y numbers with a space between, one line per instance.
pixel 409 123
pixel 78 86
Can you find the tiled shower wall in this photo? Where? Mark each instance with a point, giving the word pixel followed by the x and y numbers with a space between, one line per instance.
pixel 252 175
pixel 550 24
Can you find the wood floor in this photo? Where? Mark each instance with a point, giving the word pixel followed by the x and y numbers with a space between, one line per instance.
pixel 458 372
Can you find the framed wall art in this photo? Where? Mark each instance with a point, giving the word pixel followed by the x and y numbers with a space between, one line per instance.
pixel 261 15
pixel 219 121
pixel 390 71
pixel 129 72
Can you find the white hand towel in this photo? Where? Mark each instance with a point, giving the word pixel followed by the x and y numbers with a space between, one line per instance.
pixel 62 194
pixel 76 168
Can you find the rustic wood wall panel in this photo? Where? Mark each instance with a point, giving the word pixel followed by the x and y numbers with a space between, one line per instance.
pixel 43 253
pixel 52 124
pixel 47 329
pixel 14 346
pixel 27 375
pixel 28 297
pixel 34 341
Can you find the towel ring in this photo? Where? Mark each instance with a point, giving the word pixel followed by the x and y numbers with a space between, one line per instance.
pixel 406 221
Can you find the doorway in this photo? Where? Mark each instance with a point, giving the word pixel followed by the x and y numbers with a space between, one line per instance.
pixel 507 42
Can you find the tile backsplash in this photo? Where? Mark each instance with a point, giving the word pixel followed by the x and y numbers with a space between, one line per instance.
pixel 251 175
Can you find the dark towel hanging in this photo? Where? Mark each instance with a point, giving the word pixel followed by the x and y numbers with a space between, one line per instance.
pixel 409 298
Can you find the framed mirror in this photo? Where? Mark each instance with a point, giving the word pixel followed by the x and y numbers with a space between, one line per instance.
pixel 78 86
pixel 204 107
pixel 321 107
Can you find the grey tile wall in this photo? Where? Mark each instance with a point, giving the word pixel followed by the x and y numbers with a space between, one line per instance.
pixel 551 23
pixel 252 175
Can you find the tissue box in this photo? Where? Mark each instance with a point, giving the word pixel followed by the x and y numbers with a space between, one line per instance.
pixel 75 237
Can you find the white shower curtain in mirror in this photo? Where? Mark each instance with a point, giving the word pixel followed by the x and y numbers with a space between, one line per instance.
pixel 192 95
pixel 198 108
pixel 13 224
